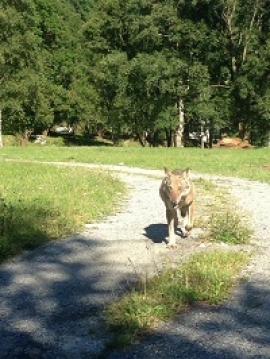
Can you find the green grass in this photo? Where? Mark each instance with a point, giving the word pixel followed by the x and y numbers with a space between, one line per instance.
pixel 217 215
pixel 204 277
pixel 42 202
pixel 252 164
pixel 228 228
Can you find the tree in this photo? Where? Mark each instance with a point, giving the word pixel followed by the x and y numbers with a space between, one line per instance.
pixel 160 81
pixel 247 29
pixel 19 65
pixel 135 66
pixel 39 56
pixel 59 27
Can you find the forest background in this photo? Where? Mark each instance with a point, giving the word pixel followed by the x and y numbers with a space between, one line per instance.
pixel 135 68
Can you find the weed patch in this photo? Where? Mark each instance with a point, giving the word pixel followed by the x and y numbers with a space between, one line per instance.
pixel 228 228
pixel 204 277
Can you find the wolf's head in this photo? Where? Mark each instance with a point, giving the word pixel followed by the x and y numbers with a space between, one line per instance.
pixel 176 185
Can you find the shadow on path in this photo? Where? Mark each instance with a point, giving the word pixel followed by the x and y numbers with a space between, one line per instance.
pixel 51 297
pixel 156 232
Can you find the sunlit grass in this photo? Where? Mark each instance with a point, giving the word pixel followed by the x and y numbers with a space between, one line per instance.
pixel 42 202
pixel 253 163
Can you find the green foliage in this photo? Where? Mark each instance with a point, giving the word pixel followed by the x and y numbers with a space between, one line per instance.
pixel 40 48
pixel 222 71
pixel 126 65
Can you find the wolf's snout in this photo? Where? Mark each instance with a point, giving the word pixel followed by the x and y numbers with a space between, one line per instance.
pixel 175 204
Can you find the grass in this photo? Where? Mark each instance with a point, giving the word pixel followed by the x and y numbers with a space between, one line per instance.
pixel 252 164
pixel 204 277
pixel 42 202
pixel 228 228
pixel 217 215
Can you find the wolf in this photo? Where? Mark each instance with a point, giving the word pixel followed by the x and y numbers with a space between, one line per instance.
pixel 177 191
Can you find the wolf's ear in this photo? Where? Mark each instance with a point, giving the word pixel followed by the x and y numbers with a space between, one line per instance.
pixel 187 171
pixel 166 170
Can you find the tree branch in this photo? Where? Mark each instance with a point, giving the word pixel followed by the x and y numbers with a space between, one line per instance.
pixel 244 56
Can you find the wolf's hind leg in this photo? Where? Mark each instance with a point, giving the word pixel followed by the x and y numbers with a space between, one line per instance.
pixel 189 224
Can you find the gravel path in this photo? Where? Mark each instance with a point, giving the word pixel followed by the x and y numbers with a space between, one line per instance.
pixel 51 298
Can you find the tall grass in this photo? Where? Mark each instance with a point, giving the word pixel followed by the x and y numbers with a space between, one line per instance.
pixel 42 202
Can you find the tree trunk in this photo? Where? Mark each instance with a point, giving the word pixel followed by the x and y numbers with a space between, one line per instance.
pixel 45 132
pixel 141 138
pixel 179 133
pixel 169 137
pixel 245 124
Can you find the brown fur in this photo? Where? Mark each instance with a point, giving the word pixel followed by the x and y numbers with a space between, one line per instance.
pixel 177 192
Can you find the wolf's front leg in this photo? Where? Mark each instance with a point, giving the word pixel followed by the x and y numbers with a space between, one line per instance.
pixel 170 220
pixel 188 219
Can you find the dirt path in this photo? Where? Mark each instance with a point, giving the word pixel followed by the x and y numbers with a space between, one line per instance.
pixel 50 299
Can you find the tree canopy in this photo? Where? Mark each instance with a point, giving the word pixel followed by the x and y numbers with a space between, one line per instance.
pixel 136 66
